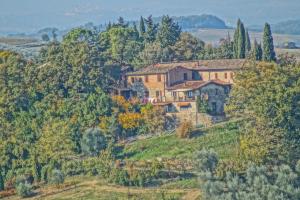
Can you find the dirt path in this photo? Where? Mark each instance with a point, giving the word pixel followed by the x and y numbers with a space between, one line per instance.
pixel 51 193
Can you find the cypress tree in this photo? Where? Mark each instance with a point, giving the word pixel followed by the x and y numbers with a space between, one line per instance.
pixel 247 42
pixel 256 51
pixel 236 38
pixel 241 42
pixel 142 27
pixel 268 46
pixel 1 182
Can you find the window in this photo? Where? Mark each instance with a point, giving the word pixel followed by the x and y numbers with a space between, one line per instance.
pixel 217 91
pixel 184 108
pixel 157 93
pixel 140 80
pixel 158 77
pixel 146 79
pixel 132 80
pixel 174 94
pixel 185 76
pixel 225 75
pixel 146 94
pixel 231 75
pixel 190 94
pixel 216 75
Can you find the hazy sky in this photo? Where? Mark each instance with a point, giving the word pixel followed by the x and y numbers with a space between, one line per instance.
pixel 31 15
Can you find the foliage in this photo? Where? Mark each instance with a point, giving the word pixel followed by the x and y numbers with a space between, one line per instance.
pixel 24 190
pixel 240 40
pixel 268 46
pixel 93 141
pixel 185 129
pixel 57 177
pixel 168 32
pixel 206 160
pixel 273 116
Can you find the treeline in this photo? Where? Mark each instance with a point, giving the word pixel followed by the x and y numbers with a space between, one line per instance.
pixel 57 109
pixel 241 47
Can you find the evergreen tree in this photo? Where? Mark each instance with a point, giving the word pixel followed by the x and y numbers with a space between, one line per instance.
pixel 121 22
pixel 256 51
pixel 240 41
pixel 135 33
pixel 151 31
pixel 168 32
pixel 268 46
pixel 1 181
pixel 236 38
pixel 247 42
pixel 142 27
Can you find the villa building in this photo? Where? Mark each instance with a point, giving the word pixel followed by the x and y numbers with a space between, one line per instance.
pixel 179 87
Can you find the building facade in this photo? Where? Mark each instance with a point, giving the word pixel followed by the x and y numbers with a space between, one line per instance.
pixel 184 87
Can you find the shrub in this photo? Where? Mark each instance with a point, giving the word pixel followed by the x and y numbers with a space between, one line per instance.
pixel 185 129
pixel 206 160
pixel 72 168
pixel 93 141
pixel 57 177
pixel 24 189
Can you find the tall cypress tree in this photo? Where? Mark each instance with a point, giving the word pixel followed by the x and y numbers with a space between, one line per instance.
pixel 247 42
pixel 1 182
pixel 268 46
pixel 236 38
pixel 241 42
pixel 142 27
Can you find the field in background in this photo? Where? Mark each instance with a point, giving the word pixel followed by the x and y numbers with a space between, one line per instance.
pixel 213 36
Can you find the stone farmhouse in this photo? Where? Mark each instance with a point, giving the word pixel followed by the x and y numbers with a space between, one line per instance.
pixel 189 90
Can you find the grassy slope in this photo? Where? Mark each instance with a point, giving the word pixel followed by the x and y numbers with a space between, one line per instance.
pixel 221 138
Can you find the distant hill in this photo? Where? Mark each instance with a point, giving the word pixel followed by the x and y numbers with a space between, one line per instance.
pixel 290 27
pixel 287 27
pixel 198 21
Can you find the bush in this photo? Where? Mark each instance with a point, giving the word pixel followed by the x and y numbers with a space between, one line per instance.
pixel 72 168
pixel 93 141
pixel 24 189
pixel 185 129
pixel 206 160
pixel 57 177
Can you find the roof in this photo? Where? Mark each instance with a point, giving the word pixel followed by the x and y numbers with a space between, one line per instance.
pixel 220 64
pixel 193 85
pixel 154 69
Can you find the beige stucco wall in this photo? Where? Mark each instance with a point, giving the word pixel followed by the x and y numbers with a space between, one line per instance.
pixel 176 75
pixel 210 75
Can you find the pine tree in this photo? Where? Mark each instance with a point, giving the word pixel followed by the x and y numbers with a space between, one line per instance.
pixel 168 32
pixel 247 42
pixel 151 30
pixel 142 27
pixel 268 46
pixel 136 33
